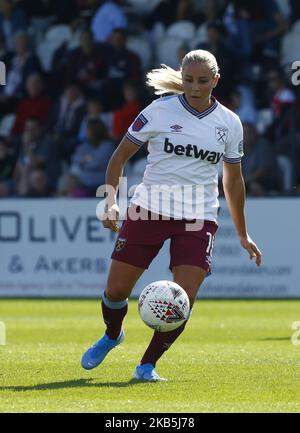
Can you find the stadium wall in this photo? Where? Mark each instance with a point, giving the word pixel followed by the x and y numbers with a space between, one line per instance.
pixel 58 248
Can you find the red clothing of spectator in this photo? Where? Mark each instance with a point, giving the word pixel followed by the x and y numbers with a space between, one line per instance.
pixel 282 98
pixel 37 107
pixel 86 69
pixel 123 118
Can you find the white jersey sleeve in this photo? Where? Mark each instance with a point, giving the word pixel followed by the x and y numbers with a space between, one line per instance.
pixel 234 146
pixel 144 126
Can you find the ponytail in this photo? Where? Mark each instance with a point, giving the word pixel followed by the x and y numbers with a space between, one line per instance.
pixel 165 80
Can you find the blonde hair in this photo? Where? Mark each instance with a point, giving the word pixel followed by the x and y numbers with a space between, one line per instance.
pixel 167 80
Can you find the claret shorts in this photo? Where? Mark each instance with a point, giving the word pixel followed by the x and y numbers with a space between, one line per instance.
pixel 139 240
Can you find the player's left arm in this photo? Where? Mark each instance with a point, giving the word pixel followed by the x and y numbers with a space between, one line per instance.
pixel 234 190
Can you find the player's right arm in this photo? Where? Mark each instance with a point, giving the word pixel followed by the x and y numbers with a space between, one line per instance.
pixel 139 133
pixel 117 162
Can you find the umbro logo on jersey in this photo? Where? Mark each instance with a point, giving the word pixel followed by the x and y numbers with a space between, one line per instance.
pixel 176 128
pixel 192 151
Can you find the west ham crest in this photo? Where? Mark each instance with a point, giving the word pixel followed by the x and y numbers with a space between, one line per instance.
pixel 221 134
pixel 120 244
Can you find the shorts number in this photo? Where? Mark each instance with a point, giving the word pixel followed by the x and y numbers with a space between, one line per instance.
pixel 210 245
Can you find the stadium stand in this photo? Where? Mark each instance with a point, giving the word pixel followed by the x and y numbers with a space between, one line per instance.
pixel 61 44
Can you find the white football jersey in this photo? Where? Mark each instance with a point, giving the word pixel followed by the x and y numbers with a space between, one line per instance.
pixel 185 147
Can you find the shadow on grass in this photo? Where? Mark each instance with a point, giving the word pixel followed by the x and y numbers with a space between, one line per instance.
pixel 275 339
pixel 79 383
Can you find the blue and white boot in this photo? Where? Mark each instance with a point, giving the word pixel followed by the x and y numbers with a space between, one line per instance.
pixel 96 354
pixel 147 373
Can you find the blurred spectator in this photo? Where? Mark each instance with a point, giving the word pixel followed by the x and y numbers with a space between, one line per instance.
pixel 8 159
pixel 122 64
pixel 37 104
pixel 64 122
pixel 35 8
pixel 169 11
pixel 23 63
pixel 281 100
pixel 226 60
pixel 108 17
pixel 12 19
pixel 186 11
pixel 259 163
pixel 38 184
pixel 238 24
pixel 282 95
pixel 33 154
pixel 64 11
pixel 86 65
pixel 242 103
pixel 269 25
pixel 123 117
pixel 255 28
pixel 69 186
pixel 96 65
pixel 90 160
pixel 295 10
pixel 87 5
pixel 95 111
pixel 212 9
pixel 289 147
pixel 68 112
pixel 57 74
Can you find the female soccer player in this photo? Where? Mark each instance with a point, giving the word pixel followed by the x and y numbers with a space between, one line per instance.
pixel 188 134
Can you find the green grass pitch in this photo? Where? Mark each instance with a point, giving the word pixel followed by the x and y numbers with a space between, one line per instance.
pixel 234 356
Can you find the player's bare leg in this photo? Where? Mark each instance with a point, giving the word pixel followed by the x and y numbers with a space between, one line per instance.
pixel 121 280
pixel 189 278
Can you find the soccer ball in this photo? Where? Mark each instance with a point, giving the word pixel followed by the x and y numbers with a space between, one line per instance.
pixel 164 305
